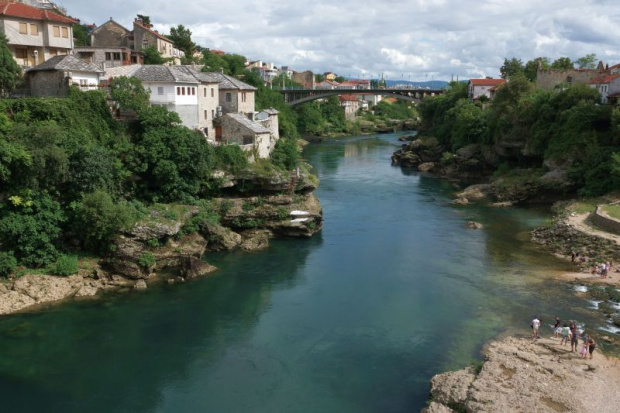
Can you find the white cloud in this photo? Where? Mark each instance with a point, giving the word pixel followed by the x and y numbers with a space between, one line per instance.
pixel 410 38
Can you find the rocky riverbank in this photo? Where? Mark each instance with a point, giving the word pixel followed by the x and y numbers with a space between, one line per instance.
pixel 172 241
pixel 519 375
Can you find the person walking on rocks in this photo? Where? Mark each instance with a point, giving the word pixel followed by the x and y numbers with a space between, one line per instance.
pixel 535 326
pixel 556 327
pixel 565 334
pixel 591 346
pixel 574 338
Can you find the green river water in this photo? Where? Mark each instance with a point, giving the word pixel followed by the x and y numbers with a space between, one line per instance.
pixel 357 319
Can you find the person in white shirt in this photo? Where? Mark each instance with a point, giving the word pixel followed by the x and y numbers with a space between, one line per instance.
pixel 535 326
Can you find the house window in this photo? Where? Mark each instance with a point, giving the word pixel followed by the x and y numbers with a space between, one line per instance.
pixel 56 30
pixel 183 90
pixel 23 28
pixel 243 97
pixel 21 53
pixel 212 92
pixel 206 112
pixel 108 56
pixel 116 56
pixel 205 92
pixel 65 32
pixel 34 29
pixel 212 113
pixel 160 90
pixel 228 97
pixel 248 140
pixel 178 91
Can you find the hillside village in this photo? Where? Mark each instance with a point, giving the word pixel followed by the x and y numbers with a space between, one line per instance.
pixel 43 41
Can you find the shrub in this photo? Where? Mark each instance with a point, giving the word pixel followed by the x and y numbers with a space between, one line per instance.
pixel 146 260
pixel 285 154
pixel 99 219
pixel 66 265
pixel 8 263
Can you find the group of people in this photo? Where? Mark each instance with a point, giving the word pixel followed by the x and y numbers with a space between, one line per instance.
pixel 602 269
pixel 569 333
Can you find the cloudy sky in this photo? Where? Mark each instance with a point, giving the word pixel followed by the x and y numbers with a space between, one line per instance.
pixel 404 39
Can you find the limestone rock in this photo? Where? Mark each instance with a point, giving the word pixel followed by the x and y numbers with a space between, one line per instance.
pixel 451 388
pixel 220 238
pixel 473 225
pixel 193 267
pixel 460 201
pixel 255 240
pixel 140 285
pixel 426 167
pixel 476 191
pixel 437 408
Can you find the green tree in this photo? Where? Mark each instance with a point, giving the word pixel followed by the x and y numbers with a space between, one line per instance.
pixel 562 63
pixel 586 62
pixel 80 35
pixel 99 218
pixel 10 72
pixel 129 93
pixel 152 56
pixel 30 228
pixel 235 64
pixel 146 20
pixel 531 67
pixel 511 67
pixel 182 39
pixel 213 62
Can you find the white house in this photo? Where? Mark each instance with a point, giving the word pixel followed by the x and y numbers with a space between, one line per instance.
pixel 608 86
pixel 483 87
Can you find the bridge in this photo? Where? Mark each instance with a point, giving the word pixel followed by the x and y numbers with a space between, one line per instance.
pixel 294 97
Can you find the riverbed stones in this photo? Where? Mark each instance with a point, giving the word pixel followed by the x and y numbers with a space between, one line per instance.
pixel 140 285
pixel 473 225
pixel 426 166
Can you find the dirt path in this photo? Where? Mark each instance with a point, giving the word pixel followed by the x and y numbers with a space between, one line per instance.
pixel 579 222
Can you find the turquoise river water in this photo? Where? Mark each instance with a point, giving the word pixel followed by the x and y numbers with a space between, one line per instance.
pixel 357 319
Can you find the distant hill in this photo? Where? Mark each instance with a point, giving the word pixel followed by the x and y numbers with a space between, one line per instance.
pixel 432 84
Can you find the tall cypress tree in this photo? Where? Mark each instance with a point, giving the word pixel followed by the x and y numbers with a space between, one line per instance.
pixel 9 69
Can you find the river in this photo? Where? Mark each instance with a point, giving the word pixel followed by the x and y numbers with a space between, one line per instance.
pixel 357 319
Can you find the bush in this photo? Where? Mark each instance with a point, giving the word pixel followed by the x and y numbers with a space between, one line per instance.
pixel 99 219
pixel 285 154
pixel 66 265
pixel 146 260
pixel 8 263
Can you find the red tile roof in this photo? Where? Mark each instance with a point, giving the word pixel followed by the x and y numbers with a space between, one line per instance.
pixel 28 12
pixel 348 98
pixel 487 82
pixel 603 79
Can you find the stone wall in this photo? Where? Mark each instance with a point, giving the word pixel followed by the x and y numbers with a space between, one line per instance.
pixel 188 114
pixel 306 79
pixel 47 83
pixel 603 220
pixel 110 34
pixel 548 79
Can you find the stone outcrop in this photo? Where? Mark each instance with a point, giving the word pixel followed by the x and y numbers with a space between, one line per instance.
pixel 35 289
pixel 521 376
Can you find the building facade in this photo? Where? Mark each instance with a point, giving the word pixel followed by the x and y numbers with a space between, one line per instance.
pixel 35 35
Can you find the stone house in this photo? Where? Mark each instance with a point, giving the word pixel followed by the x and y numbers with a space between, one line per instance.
pixel 145 36
pixel 234 128
pixel 109 56
pixel 55 76
pixel 35 35
pixel 235 95
pixel 112 34
pixel 305 79
pixel 483 87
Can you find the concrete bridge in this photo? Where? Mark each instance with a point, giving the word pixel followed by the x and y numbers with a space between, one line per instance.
pixel 294 97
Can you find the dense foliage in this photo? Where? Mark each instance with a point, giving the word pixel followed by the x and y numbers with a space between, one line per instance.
pixel 72 177
pixel 528 127
pixel 9 70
